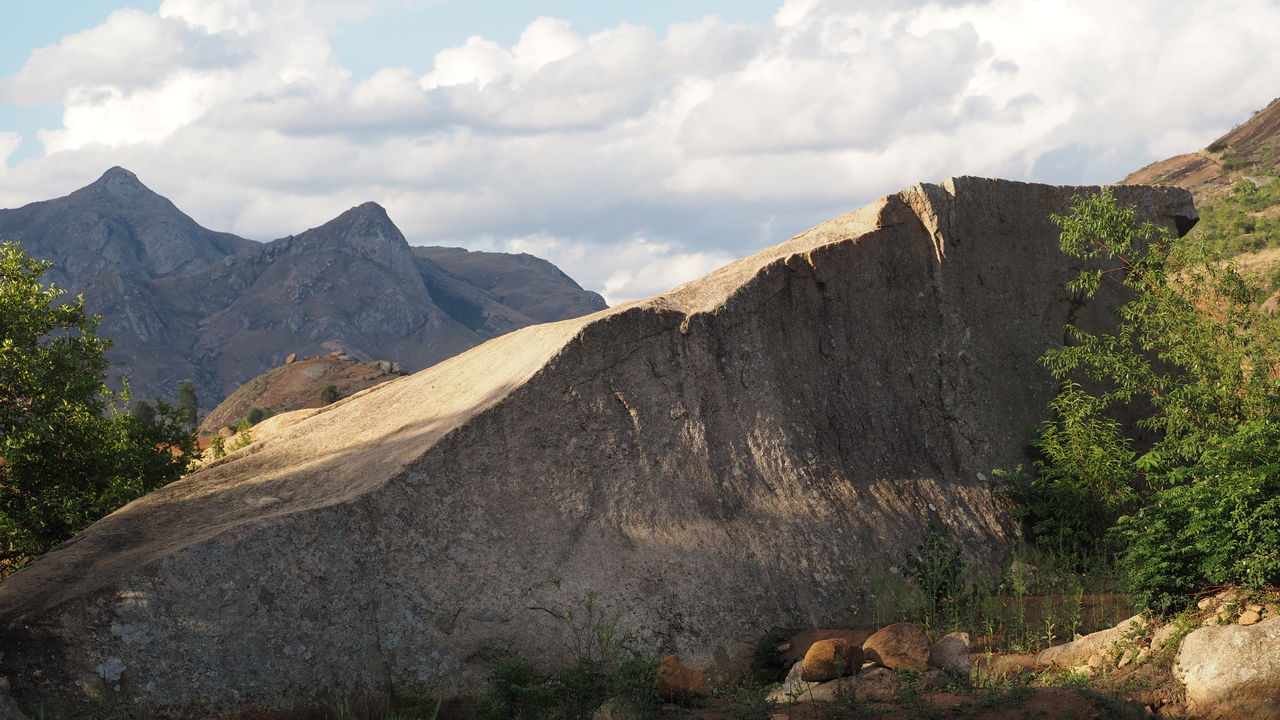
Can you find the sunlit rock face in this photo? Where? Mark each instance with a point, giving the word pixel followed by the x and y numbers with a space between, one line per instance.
pixel 756 448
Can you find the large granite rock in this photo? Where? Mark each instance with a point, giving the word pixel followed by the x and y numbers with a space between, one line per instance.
pixel 1232 672
pixel 733 455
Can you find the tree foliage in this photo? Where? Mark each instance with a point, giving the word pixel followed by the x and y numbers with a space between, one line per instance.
pixel 188 404
pixel 70 450
pixel 1201 506
pixel 330 394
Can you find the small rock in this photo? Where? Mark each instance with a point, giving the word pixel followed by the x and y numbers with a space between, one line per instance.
pixel 875 684
pixel 792 688
pixel 1126 658
pixel 934 679
pixel 1249 617
pixel 1230 595
pixel 290 358
pixel 1162 636
pixel 1255 607
pixel 1204 603
pixel 901 646
pixel 830 659
pixel 951 653
pixel 676 682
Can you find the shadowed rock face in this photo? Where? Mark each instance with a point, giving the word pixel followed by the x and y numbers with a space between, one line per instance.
pixel 743 452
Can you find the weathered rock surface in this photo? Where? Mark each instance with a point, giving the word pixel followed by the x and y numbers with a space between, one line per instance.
pixel 793 687
pixel 1232 672
pixel 9 709
pixel 830 659
pixel 677 681
pixel 1078 652
pixel 799 643
pixel 719 459
pixel 901 646
pixel 951 653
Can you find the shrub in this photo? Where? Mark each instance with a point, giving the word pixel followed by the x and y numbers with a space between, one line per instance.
pixel 1200 507
pixel 330 394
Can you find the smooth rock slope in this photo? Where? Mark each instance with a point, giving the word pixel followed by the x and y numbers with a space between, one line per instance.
pixel 736 454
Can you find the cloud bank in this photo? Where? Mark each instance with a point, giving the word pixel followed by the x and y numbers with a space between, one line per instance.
pixel 636 158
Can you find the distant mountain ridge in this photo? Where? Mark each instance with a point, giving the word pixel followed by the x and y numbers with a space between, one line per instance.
pixel 183 302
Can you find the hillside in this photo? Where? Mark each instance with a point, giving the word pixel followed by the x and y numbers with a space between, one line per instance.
pixel 297 385
pixel 1250 150
pixel 181 302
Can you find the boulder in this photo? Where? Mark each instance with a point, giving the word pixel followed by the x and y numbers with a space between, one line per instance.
pixel 717 459
pixel 1232 672
pixel 799 643
pixel 901 646
pixel 792 688
pixel 875 683
pixel 678 682
pixel 951 653
pixel 1079 652
pixel 830 659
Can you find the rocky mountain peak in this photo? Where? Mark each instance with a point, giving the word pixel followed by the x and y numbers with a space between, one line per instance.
pixel 366 231
pixel 118 184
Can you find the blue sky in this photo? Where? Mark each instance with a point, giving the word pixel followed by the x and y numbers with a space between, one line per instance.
pixel 636 145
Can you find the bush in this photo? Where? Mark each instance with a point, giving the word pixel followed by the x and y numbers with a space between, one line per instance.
pixel 258 414
pixel 330 394
pixel 1200 507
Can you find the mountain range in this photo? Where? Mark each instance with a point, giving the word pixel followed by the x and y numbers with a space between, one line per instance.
pixel 181 302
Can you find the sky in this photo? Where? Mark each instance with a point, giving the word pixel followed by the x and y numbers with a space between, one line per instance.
pixel 636 145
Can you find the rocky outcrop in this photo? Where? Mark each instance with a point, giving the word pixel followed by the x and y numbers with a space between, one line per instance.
pixel 733 455
pixel 1232 671
pixel 184 303
pixel 298 384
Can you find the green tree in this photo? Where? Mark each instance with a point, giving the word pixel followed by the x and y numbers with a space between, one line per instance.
pixel 188 404
pixel 144 411
pixel 70 450
pixel 1201 507
pixel 330 394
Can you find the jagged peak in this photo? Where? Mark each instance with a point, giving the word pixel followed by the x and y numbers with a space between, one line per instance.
pixel 120 183
pixel 118 174
pixel 365 219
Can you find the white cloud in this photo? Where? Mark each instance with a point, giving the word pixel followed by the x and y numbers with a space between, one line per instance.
pixel 621 271
pixel 640 155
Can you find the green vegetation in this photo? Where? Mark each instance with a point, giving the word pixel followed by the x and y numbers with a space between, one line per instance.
pixel 188 404
pixel 219 445
pixel 1201 506
pixel 1245 220
pixel 605 667
pixel 71 449
pixel 1039 599
pixel 257 415
pixel 330 394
